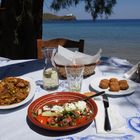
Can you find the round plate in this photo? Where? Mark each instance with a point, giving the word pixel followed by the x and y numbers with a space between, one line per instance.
pixel 28 98
pixel 57 98
pixel 95 85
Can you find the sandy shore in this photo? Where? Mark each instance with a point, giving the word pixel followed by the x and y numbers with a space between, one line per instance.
pixel 132 54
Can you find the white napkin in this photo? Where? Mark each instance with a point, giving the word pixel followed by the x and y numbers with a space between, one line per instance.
pixel 82 58
pixel 67 57
pixel 119 62
pixel 116 120
pixel 129 73
pixel 4 59
pixel 63 56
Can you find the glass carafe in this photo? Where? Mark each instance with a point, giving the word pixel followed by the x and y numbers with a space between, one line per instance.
pixel 50 75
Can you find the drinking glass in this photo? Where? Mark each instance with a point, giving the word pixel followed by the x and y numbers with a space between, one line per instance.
pixel 74 76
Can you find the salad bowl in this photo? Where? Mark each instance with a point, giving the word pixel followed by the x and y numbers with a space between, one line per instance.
pixel 76 118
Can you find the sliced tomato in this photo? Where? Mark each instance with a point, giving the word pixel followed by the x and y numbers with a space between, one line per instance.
pixel 81 120
pixel 50 120
pixel 42 119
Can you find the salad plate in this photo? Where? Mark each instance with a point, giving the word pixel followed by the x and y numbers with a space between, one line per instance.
pixel 30 95
pixel 67 122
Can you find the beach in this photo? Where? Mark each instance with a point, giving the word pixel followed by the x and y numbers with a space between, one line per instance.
pixel 116 38
pixel 131 54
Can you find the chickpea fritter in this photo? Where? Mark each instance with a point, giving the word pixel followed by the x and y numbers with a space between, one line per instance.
pixel 114 87
pixel 113 80
pixel 104 83
pixel 113 84
pixel 123 84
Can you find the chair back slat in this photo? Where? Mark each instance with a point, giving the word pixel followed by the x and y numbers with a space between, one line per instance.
pixel 66 43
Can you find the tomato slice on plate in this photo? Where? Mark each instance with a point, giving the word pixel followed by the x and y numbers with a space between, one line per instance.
pixel 45 120
pixel 81 120
pixel 42 119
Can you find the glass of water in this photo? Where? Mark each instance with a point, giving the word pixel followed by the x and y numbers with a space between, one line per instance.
pixel 74 76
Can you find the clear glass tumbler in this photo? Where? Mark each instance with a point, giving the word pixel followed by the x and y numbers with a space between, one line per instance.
pixel 74 76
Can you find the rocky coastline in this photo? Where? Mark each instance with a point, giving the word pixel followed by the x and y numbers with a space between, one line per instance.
pixel 52 17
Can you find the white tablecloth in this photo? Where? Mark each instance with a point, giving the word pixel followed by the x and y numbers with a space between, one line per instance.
pixel 15 125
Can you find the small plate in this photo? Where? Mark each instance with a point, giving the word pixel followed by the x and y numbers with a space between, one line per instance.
pixel 57 98
pixel 28 98
pixel 95 85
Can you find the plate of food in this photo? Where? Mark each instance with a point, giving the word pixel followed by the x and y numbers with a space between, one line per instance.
pixel 62 111
pixel 113 85
pixel 16 91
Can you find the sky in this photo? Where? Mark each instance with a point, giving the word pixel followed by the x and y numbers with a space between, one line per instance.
pixel 124 9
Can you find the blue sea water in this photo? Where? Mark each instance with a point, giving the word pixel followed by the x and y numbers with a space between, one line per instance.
pixel 113 36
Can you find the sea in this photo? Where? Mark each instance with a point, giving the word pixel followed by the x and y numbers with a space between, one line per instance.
pixel 116 38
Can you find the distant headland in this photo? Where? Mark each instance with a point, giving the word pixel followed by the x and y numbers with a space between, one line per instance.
pixel 52 17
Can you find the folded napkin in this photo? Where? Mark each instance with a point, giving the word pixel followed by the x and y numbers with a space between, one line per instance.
pixel 120 62
pixel 129 73
pixel 134 73
pixel 4 59
pixel 116 120
pixel 67 57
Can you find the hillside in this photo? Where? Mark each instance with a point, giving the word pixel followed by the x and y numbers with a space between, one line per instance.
pixel 49 17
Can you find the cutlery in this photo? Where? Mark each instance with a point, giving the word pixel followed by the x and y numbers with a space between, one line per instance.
pixel 107 126
pixel 87 98
pixel 94 95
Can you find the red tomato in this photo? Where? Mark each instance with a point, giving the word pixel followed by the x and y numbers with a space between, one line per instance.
pixel 81 120
pixel 50 120
pixel 42 119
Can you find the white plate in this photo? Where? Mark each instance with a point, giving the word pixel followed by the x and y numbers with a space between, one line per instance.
pixel 28 98
pixel 95 85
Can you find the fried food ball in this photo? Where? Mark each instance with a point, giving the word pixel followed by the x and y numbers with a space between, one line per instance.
pixel 114 83
pixel 104 83
pixel 122 82
pixel 114 87
pixel 123 85
pixel 113 80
